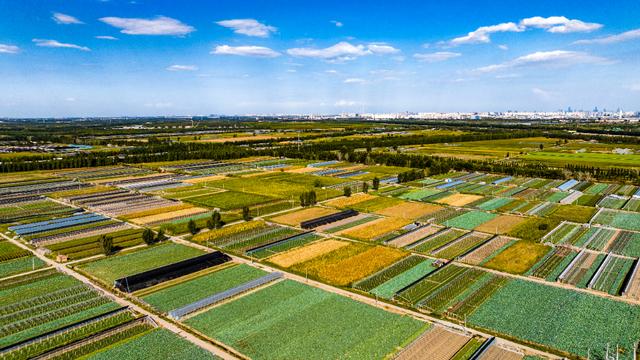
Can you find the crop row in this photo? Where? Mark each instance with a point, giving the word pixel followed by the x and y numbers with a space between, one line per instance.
pixel 439 299
pixel 9 251
pixel 461 246
pixel 427 285
pixel 390 272
pixel 438 240
pixel 472 302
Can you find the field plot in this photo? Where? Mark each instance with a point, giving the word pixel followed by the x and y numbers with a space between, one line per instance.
pixel 414 235
pixel 153 345
pixel 437 240
pixel 611 275
pixel 552 265
pixel 47 302
pixel 109 269
pixel 183 291
pixel 387 282
pixel 344 202
pixel 561 319
pixel 346 223
pixel 376 204
pixel 459 199
pixel 481 253
pixel 164 215
pixel 296 217
pixel 103 172
pixel 598 239
pixel 613 202
pixel 122 202
pixel 437 343
pixel 618 219
pixel 409 210
pixel 348 264
pixel 229 200
pixel 14 260
pixel 501 224
pixel 81 247
pixel 462 245
pixel 470 220
pixel 323 325
pixel 373 230
pixel 494 204
pixel 518 258
pixel 580 271
pixel 307 252
pixel 419 194
pixel 533 229
pixel 30 208
pixel 632 205
pixel 625 243
pixel 564 233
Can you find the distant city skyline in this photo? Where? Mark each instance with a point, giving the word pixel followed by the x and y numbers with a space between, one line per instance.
pixel 136 58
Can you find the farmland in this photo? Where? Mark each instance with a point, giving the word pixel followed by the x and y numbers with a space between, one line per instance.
pixel 254 324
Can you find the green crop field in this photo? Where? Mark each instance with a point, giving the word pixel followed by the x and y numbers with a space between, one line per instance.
pixel 228 200
pixel 391 286
pixel 561 319
pixel 619 219
pixel 469 220
pixel 187 292
pixel 19 265
pixel 115 267
pixel 153 345
pixel 326 325
pixel 586 158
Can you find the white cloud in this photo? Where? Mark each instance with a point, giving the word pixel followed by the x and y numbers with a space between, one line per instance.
pixel 253 51
pixel 70 99
pixel 625 36
pixel 160 25
pixel 503 47
pixel 382 49
pixel 57 44
pixel 343 51
pixel 354 81
pixel 292 71
pixel 65 19
pixel 249 27
pixel 331 71
pixel 556 57
pixel 159 105
pixel 481 34
pixel 106 37
pixel 543 94
pixel 182 68
pixel 337 23
pixel 9 49
pixel 559 24
pixel 552 24
pixel 436 56
pixel 345 103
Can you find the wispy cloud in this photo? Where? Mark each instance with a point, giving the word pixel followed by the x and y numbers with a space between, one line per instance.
pixel 482 34
pixel 182 68
pixel 503 47
pixel 106 37
pixel 345 103
pixel 543 94
pixel 436 56
pixel 556 58
pixel 625 36
pixel 57 44
pixel 552 24
pixel 249 27
pixel 343 51
pixel 354 81
pixel 9 49
pixel 251 51
pixel 160 25
pixel 337 23
pixel 65 19
pixel 559 24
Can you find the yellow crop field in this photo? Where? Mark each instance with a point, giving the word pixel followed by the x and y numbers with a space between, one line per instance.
pixel 306 253
pixel 459 199
pixel 296 217
pixel 374 229
pixel 197 180
pixel 501 224
pixel 349 264
pixel 409 210
pixel 228 231
pixel 169 215
pixel 343 202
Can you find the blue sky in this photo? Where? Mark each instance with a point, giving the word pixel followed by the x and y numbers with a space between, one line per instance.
pixel 155 57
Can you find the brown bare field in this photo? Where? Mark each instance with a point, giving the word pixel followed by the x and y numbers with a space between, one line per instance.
pixel 204 179
pixel 374 229
pixel 307 252
pixel 296 217
pixel 459 199
pixel 409 210
pixel 498 353
pixel 435 344
pixel 343 202
pixel 634 288
pixel 169 215
pixel 350 263
pixel 414 236
pixel 501 224
pixel 481 253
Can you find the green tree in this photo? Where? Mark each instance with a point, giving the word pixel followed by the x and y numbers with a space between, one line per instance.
pixel 148 237
pixel 365 187
pixel 246 214
pixel 216 218
pixel 376 183
pixel 347 191
pixel 193 228
pixel 106 244
pixel 161 236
